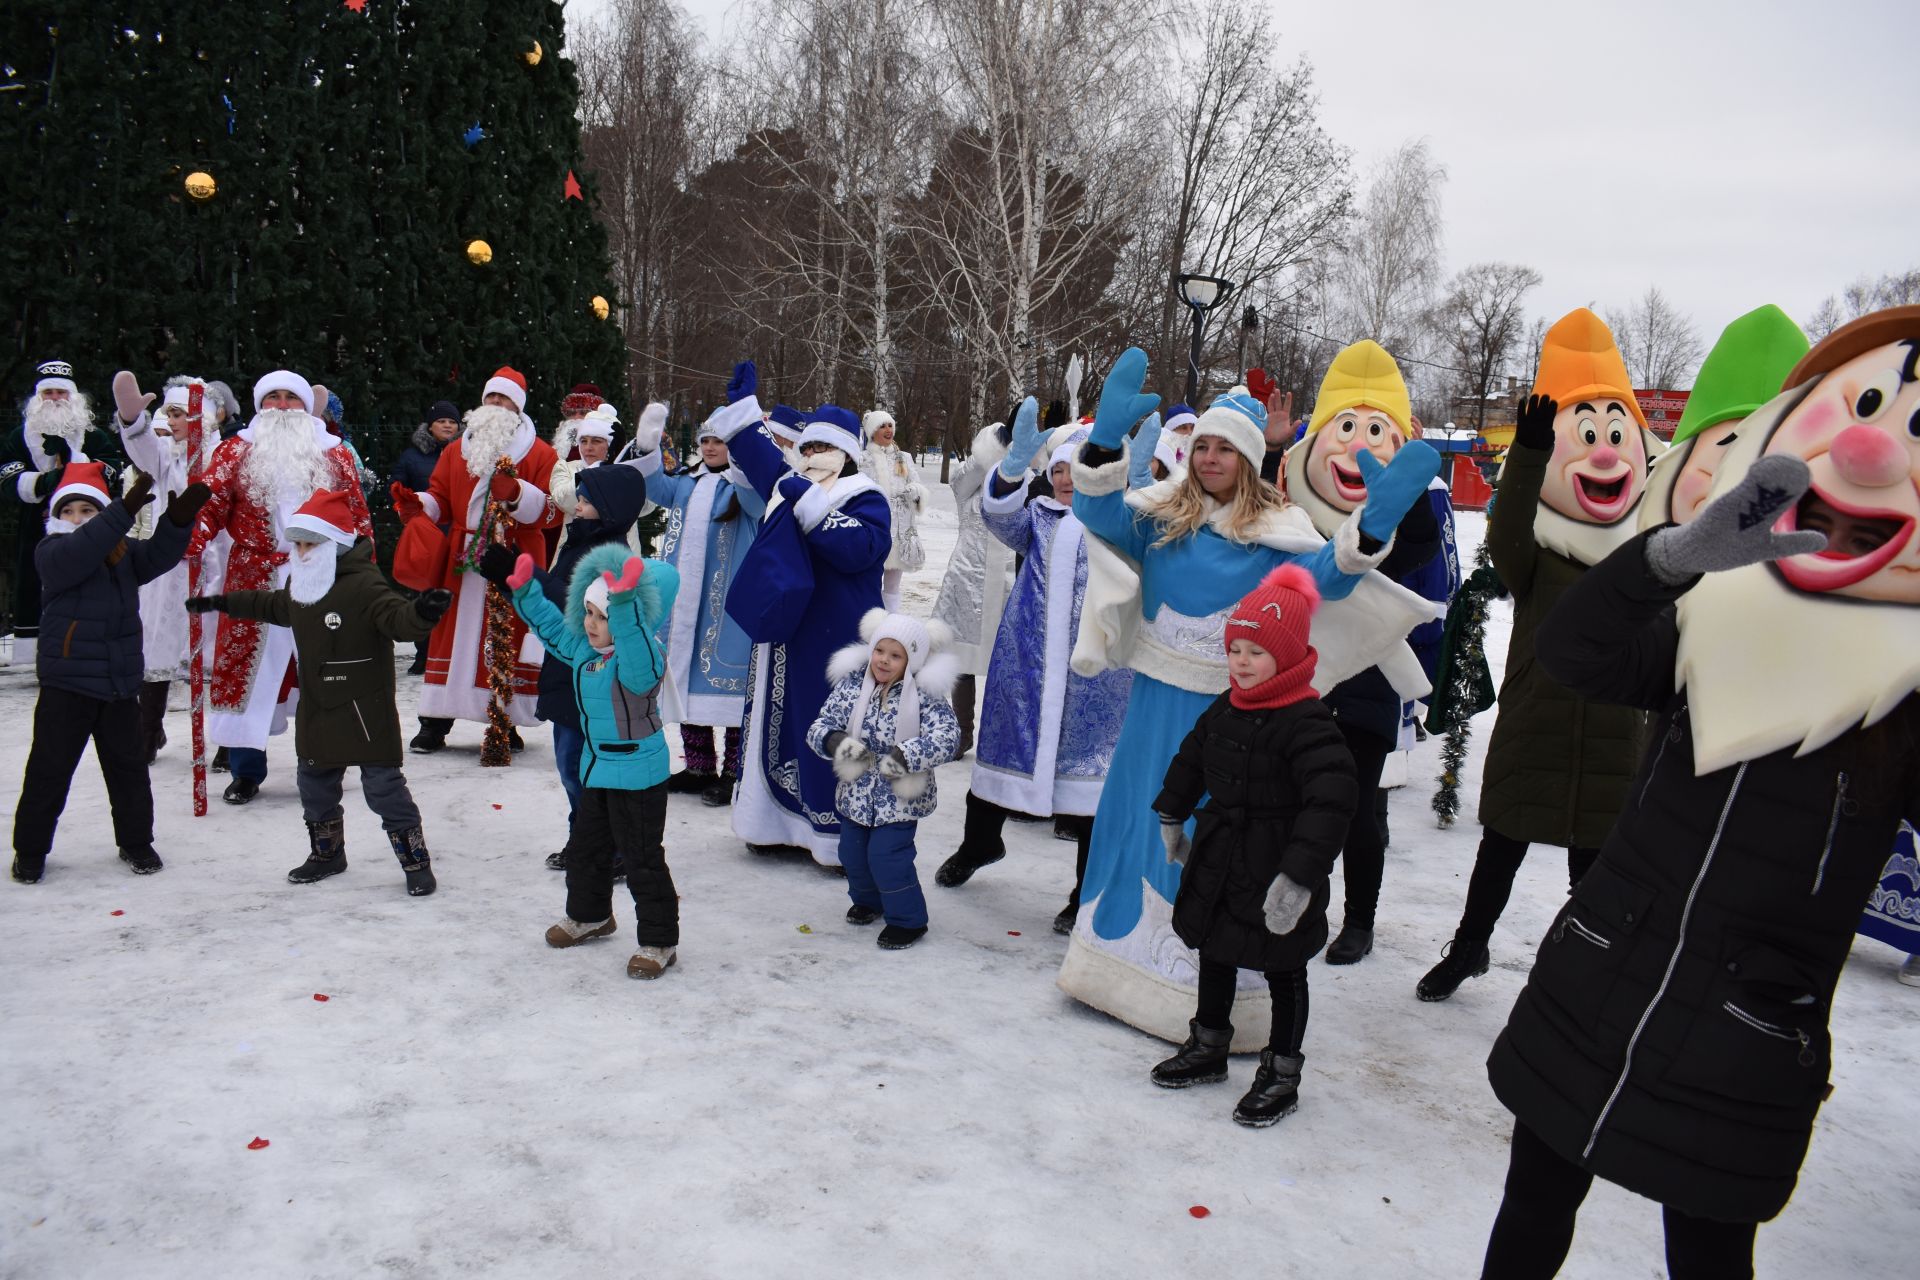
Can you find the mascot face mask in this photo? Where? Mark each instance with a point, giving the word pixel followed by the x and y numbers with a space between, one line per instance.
pixel 1599 464
pixel 1363 407
pixel 1331 466
pixel 1858 429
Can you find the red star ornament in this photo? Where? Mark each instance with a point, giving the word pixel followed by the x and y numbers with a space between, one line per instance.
pixel 358 6
pixel 573 191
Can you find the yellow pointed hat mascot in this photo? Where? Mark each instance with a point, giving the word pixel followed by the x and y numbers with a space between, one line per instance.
pixel 1362 406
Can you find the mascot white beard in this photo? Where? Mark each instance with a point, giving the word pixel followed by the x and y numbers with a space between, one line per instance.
pixel 311 576
pixel 489 435
pixel 285 460
pixel 822 466
pixel 68 419
pixel 1767 666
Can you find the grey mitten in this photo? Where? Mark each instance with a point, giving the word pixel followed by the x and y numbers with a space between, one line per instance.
pixel 128 400
pixel 851 759
pixel 1286 903
pixel 893 765
pixel 1174 836
pixel 1736 528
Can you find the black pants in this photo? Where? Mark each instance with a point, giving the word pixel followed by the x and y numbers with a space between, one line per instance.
pixel 981 837
pixel 1534 1230
pixel 1494 867
pixel 963 697
pixel 1289 990
pixel 1365 852
pixel 63 722
pixel 631 822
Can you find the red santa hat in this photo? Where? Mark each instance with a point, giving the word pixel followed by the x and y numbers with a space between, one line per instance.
pixel 510 383
pixel 327 516
pixel 1277 615
pixel 81 480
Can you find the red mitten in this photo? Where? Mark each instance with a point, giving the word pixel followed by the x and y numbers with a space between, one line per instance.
pixel 629 576
pixel 1260 385
pixel 522 572
pixel 406 503
pixel 504 487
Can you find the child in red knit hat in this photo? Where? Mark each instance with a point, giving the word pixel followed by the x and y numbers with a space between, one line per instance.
pixel 1280 794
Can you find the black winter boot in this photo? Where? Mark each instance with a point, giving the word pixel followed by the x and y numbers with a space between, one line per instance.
pixel 719 793
pixel 1350 945
pixel 143 860
pixel 1464 958
pixel 411 848
pixel 28 870
pixel 980 844
pixel 327 852
pixel 1201 1060
pixel 153 717
pixel 688 783
pixel 1275 1092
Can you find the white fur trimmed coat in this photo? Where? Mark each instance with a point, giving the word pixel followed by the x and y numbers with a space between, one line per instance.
pixel 869 799
pixel 898 479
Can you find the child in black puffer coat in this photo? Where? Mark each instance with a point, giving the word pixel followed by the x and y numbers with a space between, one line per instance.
pixel 1280 793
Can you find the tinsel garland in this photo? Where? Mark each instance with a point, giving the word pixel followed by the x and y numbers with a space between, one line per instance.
pixel 496 750
pixel 1464 683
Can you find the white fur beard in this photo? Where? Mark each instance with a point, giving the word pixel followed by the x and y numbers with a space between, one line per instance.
pixel 823 467
pixel 284 462
pixel 311 576
pixel 68 419
pixel 490 432
pixel 1581 542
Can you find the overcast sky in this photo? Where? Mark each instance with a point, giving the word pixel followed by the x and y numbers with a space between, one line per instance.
pixel 1732 153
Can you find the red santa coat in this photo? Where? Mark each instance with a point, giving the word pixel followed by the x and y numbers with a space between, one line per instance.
pixel 252 660
pixel 456 684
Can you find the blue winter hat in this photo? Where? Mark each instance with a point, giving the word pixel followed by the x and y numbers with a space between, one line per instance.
pixel 836 427
pixel 788 417
pixel 1179 416
pixel 1238 418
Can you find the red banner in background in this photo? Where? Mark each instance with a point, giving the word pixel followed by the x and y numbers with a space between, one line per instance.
pixel 1662 410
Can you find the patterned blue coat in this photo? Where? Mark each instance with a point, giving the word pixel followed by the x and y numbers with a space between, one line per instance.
pixel 786 794
pixel 870 800
pixel 1046 733
pixel 711 519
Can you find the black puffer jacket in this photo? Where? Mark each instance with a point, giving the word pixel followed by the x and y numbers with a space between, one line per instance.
pixel 1672 1037
pixel 90 583
pixel 1280 793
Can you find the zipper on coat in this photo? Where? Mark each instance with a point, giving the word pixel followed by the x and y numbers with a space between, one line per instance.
pixel 1774 1030
pixel 1833 825
pixel 1672 733
pixel 1673 961
pixel 1580 930
pixel 362 719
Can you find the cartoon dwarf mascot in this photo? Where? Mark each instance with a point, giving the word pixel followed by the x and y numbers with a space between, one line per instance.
pixel 1362 408
pixel 1672 1036
pixel 1558 764
pixel 1742 372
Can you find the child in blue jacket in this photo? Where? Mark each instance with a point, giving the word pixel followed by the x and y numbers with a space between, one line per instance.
pixel 885 725
pixel 608 636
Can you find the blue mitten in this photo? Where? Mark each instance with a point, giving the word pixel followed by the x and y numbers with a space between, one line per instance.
pixel 1393 489
pixel 744 382
pixel 1026 440
pixel 1121 401
pixel 793 488
pixel 1140 453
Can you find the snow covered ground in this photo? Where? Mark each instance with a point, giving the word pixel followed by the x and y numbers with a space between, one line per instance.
pixel 789 1100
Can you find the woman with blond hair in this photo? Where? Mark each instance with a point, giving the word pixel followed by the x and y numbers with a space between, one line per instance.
pixel 889 467
pixel 1167 564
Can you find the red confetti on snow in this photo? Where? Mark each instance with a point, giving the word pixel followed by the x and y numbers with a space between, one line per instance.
pixel 1013 933
pixel 496 806
pixel 1200 1211
pixel 119 913
pixel 322 999
pixel 258 1144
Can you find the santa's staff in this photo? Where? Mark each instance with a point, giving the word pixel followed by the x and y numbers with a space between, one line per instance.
pixel 497 748
pixel 196 672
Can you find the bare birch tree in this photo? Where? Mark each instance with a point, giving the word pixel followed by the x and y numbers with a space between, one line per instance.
pixel 1483 323
pixel 1900 289
pixel 1388 275
pixel 1658 342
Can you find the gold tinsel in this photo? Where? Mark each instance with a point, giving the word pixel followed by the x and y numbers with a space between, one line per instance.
pixel 497 749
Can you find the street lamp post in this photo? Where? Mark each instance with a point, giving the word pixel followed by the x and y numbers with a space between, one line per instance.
pixel 1201 294
pixel 1248 323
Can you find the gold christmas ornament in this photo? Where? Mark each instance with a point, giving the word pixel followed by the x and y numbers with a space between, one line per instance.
pixel 532 56
pixel 601 307
pixel 201 186
pixel 479 252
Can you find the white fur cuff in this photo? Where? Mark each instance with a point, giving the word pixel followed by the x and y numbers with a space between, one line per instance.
pixel 731 421
pixel 429 504
pixel 813 507
pixel 1097 482
pixel 531 505
pixel 1347 555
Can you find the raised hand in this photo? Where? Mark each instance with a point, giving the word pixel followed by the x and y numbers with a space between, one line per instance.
pixel 1394 488
pixel 128 401
pixel 406 503
pixel 1027 436
pixel 1736 529
pixel 522 572
pixel 139 493
pixel 433 605
pixel 792 488
pixel 653 423
pixel 629 576
pixel 744 382
pixel 185 505
pixel 1122 403
pixel 1140 453
pixel 1535 429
